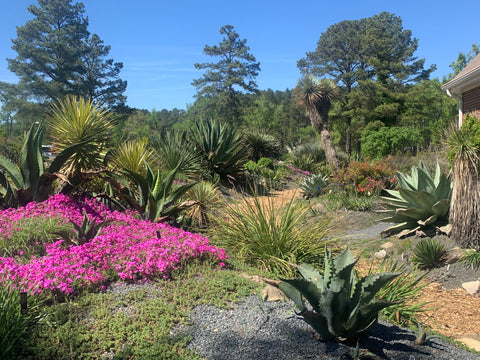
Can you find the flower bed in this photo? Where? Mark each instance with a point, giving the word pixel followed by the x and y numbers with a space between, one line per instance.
pixel 128 249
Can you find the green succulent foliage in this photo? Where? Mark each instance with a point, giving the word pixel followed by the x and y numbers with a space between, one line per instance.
pixel 261 145
pixel 420 201
pixel 341 307
pixel 428 253
pixel 88 230
pixel 29 180
pixel 222 150
pixel 157 194
pixel 314 185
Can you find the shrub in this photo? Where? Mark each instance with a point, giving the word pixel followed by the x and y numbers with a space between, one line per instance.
pixel 341 308
pixel 365 178
pixel 389 140
pixel 428 253
pixel 472 258
pixel 270 236
pixel 15 323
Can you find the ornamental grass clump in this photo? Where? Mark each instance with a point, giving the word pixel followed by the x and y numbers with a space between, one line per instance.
pixel 128 248
pixel 428 253
pixel 340 307
pixel 19 313
pixel 272 236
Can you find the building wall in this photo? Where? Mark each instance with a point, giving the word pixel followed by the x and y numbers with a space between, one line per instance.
pixel 471 102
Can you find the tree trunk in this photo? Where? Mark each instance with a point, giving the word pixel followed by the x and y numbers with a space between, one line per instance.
pixel 321 127
pixel 465 203
pixel 348 136
pixel 329 148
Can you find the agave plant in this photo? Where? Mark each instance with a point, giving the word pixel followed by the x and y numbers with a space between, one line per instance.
pixel 157 194
pixel 341 308
pixel 420 202
pixel 30 180
pixel 313 185
pixel 88 230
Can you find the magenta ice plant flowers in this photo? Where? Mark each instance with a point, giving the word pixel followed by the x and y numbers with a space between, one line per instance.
pixel 129 248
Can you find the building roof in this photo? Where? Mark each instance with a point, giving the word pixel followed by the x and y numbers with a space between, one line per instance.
pixel 466 79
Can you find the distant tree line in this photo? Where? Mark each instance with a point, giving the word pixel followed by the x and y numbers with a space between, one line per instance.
pixel 379 84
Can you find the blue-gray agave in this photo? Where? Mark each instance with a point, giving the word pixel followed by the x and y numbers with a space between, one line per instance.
pixel 341 308
pixel 420 201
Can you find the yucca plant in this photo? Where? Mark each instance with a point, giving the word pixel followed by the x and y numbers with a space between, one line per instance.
pixel 131 156
pixel 341 308
pixel 428 253
pixel 222 151
pixel 261 144
pixel 421 201
pixel 76 120
pixel 272 236
pixel 403 292
pixel 464 154
pixel 174 149
pixel 203 198
pixel 30 180
pixel 314 185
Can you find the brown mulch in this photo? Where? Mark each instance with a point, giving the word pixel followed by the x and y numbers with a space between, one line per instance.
pixel 455 313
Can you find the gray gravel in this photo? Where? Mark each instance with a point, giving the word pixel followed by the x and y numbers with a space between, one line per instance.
pixel 261 330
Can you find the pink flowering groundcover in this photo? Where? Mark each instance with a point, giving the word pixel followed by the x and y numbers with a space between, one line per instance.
pixel 128 248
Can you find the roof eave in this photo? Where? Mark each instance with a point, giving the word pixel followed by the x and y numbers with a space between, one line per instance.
pixel 465 83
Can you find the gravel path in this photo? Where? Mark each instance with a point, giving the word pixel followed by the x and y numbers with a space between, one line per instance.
pixel 254 330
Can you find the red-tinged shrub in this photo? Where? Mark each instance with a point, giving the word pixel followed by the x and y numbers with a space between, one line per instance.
pixel 365 178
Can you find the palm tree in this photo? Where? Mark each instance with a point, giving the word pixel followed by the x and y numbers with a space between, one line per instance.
pixel 317 95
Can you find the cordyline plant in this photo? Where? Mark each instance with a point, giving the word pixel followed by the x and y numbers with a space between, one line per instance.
pixel 341 308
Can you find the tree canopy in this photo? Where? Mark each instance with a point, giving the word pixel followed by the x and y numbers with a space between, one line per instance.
pixel 373 61
pixel 236 69
pixel 57 56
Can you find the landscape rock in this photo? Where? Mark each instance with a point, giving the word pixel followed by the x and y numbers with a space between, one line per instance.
pixel 453 255
pixel 472 341
pixel 472 287
pixel 387 245
pixel 381 254
pixel 272 293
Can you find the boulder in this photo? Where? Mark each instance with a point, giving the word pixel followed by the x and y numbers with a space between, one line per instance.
pixel 453 255
pixel 472 287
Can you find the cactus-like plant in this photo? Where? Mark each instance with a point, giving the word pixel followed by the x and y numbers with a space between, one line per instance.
pixel 421 200
pixel 88 230
pixel 313 185
pixel 341 308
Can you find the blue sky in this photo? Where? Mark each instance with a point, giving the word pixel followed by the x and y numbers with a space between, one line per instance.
pixel 158 41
